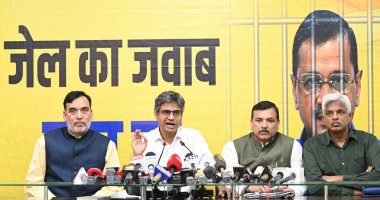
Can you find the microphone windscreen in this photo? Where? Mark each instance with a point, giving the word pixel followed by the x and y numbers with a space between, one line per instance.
pixel 150 154
pixel 258 171
pixel 267 174
pixel 174 162
pixel 94 171
pixel 278 176
pixel 220 163
pixel 209 172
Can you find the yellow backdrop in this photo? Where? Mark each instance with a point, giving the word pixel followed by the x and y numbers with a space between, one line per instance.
pixel 220 109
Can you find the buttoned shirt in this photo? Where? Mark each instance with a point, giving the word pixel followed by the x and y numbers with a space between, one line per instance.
pixel 322 156
pixel 194 149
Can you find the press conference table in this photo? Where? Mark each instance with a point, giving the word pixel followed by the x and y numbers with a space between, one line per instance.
pixel 143 188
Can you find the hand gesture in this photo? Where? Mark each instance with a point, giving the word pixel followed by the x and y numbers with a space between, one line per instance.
pixel 139 142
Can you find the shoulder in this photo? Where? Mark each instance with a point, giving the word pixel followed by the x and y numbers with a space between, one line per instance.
pixel 55 132
pixel 190 133
pixel 364 136
pixel 98 135
pixel 244 138
pixel 315 141
pixel 296 144
pixel 285 137
pixel 228 145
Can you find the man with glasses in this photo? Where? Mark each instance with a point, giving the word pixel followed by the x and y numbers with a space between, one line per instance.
pixel 325 60
pixel 170 137
pixel 59 154
pixel 340 153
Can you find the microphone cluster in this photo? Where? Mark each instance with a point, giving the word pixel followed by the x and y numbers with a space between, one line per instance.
pixel 96 176
pixel 267 174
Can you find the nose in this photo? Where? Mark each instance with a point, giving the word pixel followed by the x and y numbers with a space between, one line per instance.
pixel 335 115
pixel 171 116
pixel 324 90
pixel 79 115
pixel 264 125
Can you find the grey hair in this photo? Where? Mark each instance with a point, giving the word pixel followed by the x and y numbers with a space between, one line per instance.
pixel 336 97
pixel 169 97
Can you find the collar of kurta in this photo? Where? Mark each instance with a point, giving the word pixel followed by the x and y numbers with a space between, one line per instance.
pixel 262 145
pixel 66 132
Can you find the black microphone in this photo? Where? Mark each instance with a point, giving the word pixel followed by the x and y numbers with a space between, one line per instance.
pixel 183 144
pixel 266 176
pixel 163 148
pixel 238 173
pixel 209 172
pixel 246 176
pixel 220 165
pixel 286 179
pixel 278 176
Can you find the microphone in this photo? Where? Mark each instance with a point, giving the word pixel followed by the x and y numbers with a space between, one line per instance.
pixel 288 178
pixel 183 144
pixel 163 148
pixel 278 176
pixel 160 174
pixel 220 165
pixel 255 177
pixel 209 172
pixel 246 176
pixel 238 173
pixel 130 173
pixel 174 163
pixel 266 175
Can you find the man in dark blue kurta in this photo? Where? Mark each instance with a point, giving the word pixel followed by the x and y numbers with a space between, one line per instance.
pixel 60 154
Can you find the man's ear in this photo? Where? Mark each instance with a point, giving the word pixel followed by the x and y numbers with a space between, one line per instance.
pixel 64 116
pixel 351 115
pixel 156 115
pixel 358 81
pixel 294 89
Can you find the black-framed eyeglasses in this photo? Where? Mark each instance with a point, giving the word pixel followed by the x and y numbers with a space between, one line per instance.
pixel 337 82
pixel 74 111
pixel 168 112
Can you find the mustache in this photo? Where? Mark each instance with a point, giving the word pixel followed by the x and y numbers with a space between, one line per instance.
pixel 264 131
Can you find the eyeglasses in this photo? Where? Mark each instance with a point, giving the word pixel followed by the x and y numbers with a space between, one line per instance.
pixel 74 111
pixel 337 81
pixel 168 112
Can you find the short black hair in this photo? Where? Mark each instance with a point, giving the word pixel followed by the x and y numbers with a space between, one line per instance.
pixel 326 26
pixel 71 96
pixel 265 105
pixel 169 97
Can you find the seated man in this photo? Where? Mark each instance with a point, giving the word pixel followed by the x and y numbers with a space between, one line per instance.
pixel 340 153
pixel 264 146
pixel 170 137
pixel 60 154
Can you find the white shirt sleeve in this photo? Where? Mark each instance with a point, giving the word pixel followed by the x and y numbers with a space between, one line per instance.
pixel 296 161
pixel 296 157
pixel 229 154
